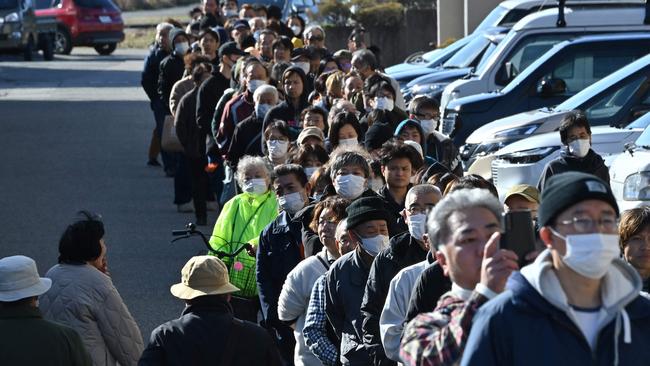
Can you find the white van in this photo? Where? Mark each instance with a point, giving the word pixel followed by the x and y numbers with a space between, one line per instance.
pixel 630 173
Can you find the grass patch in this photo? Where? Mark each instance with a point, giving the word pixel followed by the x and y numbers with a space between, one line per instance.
pixel 153 20
pixel 138 37
pixel 127 5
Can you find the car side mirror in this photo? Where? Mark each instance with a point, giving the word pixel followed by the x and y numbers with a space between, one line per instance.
pixel 550 87
pixel 511 71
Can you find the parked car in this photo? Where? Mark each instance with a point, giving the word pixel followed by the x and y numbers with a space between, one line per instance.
pixel 21 30
pixel 523 162
pixel 528 40
pixel 94 23
pixel 615 100
pixel 459 65
pixel 630 172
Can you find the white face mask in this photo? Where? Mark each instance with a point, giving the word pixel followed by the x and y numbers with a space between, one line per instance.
pixel 292 202
pixel 590 255
pixel 181 48
pixel 255 186
pixel 305 66
pixel 277 148
pixel 417 225
pixel 579 147
pixel 349 142
pixel 254 84
pixel 384 104
pixel 230 13
pixel 428 125
pixel 296 29
pixel 310 170
pixel 349 186
pixel 375 244
pixel 262 109
pixel 376 184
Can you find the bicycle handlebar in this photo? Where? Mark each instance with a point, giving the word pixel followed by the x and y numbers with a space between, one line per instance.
pixel 190 230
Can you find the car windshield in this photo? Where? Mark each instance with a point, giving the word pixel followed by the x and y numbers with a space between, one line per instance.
pixel 611 103
pixel 644 139
pixel 431 55
pixel 43 4
pixel 468 54
pixel 494 18
pixel 98 4
pixel 8 4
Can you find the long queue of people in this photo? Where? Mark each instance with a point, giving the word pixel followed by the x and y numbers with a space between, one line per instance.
pixel 360 240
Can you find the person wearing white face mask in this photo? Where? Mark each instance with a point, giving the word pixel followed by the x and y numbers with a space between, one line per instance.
pixel 281 248
pixel 579 296
pixel 349 173
pixel 276 135
pixel 240 222
pixel 246 140
pixel 368 226
pixel 576 154
pixel 405 249
pixel 344 130
pixel 379 99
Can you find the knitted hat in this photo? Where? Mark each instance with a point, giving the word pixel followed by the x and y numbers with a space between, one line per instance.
pixel 567 189
pixel 366 209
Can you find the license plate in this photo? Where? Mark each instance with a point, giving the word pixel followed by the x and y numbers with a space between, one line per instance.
pixel 104 19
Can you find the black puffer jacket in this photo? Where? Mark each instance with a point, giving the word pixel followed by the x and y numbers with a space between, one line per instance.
pixel 205 334
pixel 592 163
pixel 430 286
pixel 404 251
pixel 189 134
pixel 397 224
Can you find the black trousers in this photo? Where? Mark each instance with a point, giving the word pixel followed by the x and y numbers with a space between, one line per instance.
pixel 200 186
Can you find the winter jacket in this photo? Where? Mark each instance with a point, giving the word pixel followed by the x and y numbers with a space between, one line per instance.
pixel 246 140
pixel 436 147
pixel 85 299
pixel 592 163
pixel 393 315
pixel 392 118
pixel 209 93
pixel 428 289
pixel 294 298
pixel 542 329
pixel 279 252
pixel 397 225
pixel 346 281
pixel 205 334
pixel 180 88
pixel 192 139
pixel 403 251
pixel 172 68
pixel 218 113
pixel 150 73
pixel 236 110
pixel 286 111
pixel 28 339
pixel 241 221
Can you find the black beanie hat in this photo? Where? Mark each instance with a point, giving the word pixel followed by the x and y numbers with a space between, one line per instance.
pixel 377 134
pixel 567 189
pixel 366 209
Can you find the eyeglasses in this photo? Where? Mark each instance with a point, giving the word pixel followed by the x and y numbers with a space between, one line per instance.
pixel 316 38
pixel 588 225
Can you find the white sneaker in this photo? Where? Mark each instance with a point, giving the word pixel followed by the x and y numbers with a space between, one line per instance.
pixel 212 206
pixel 185 207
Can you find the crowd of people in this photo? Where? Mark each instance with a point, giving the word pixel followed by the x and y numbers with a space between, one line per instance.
pixel 359 239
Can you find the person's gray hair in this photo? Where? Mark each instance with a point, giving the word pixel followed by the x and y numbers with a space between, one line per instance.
pixel 311 28
pixel 349 158
pixel 366 57
pixel 265 89
pixel 341 227
pixel 421 189
pixel 341 105
pixel 164 26
pixel 248 162
pixel 438 220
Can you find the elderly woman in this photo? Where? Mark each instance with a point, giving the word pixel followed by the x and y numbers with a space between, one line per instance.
pixel 240 222
pixel 634 231
pixel 294 298
pixel 84 298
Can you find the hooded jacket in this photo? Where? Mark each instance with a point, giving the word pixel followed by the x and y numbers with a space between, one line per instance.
pixel 172 68
pixel 286 111
pixel 542 328
pixel 592 163
pixel 403 251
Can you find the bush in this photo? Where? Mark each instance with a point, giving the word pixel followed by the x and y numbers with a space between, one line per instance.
pixel 334 12
pixel 389 14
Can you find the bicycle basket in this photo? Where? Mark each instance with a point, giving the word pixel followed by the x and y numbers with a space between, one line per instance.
pixel 242 274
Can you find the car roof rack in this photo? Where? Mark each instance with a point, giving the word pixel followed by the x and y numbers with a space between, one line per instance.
pixel 561 22
pixel 646 20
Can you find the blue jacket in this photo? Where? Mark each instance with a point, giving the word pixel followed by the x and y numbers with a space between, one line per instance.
pixel 522 327
pixel 279 251
pixel 150 72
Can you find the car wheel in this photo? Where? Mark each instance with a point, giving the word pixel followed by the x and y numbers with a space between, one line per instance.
pixel 106 48
pixel 28 51
pixel 47 47
pixel 62 41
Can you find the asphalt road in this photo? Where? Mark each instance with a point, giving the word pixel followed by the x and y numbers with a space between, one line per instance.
pixel 74 135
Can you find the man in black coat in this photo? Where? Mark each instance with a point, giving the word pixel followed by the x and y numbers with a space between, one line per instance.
pixel 576 154
pixel 405 249
pixel 207 333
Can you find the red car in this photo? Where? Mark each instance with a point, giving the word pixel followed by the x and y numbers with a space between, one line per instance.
pixel 94 23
